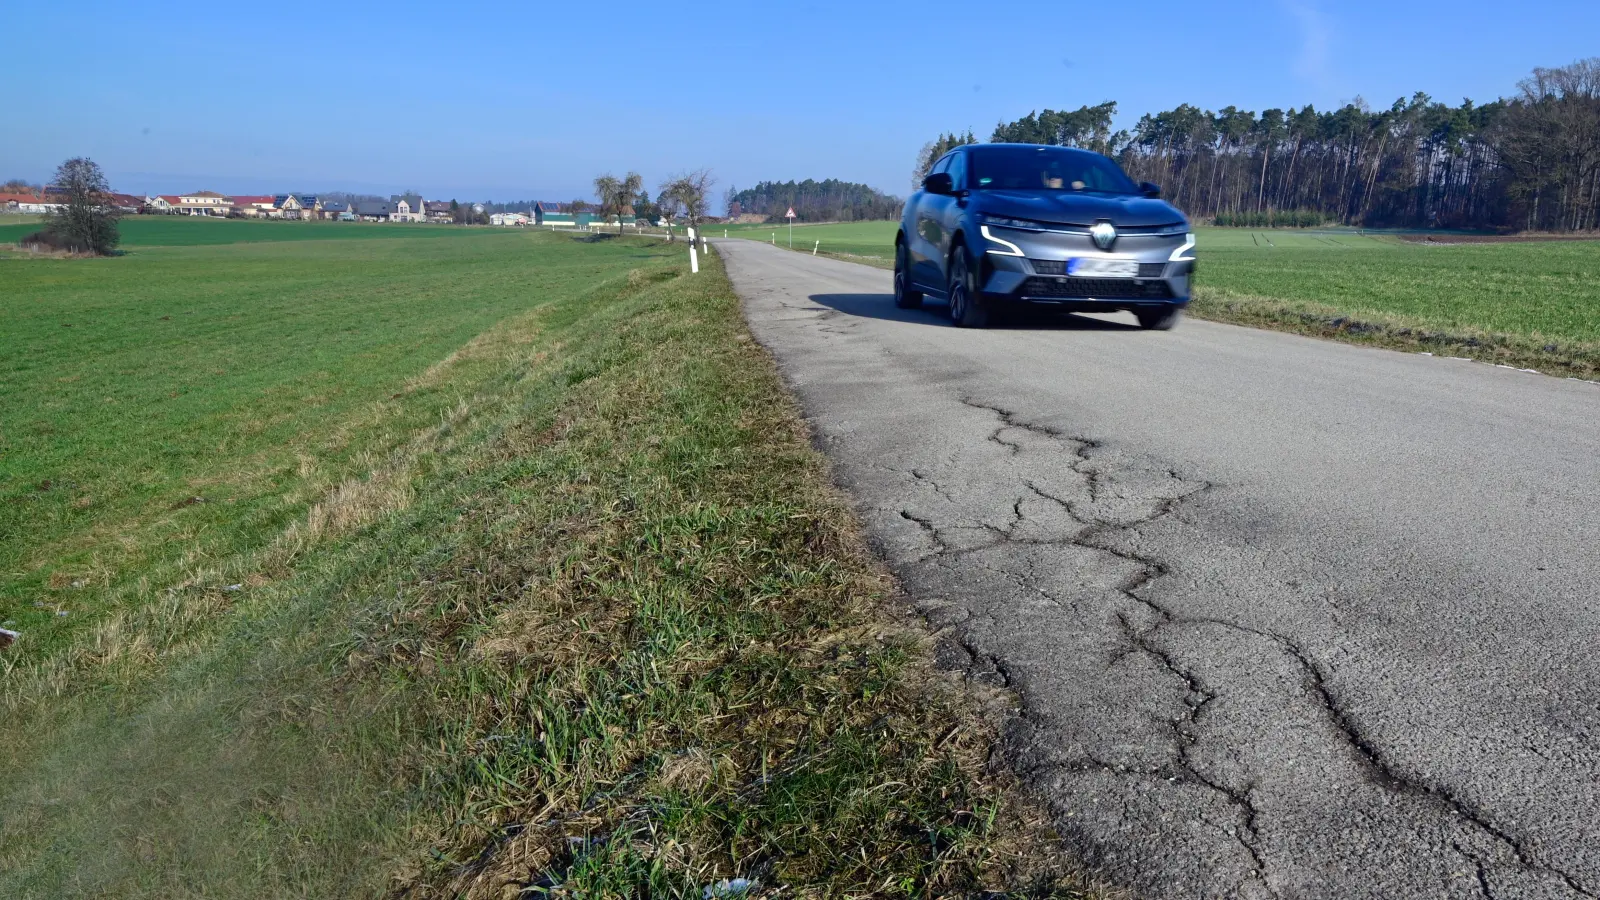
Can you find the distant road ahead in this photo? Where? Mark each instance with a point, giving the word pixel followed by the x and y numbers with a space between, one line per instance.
pixel 1289 618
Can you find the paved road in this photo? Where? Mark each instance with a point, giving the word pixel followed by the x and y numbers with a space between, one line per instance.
pixel 1288 618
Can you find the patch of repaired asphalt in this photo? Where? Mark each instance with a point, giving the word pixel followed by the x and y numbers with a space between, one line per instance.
pixel 1189 747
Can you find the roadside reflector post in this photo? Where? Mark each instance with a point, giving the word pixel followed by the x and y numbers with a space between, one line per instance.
pixel 814 248
pixel 774 239
pixel 694 258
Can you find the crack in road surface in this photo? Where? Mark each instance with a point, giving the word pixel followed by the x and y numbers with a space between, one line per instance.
pixel 1217 698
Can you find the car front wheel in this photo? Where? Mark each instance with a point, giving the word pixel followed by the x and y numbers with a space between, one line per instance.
pixel 905 296
pixel 967 309
pixel 1159 319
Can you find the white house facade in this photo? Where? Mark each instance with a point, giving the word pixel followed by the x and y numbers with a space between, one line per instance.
pixel 408 208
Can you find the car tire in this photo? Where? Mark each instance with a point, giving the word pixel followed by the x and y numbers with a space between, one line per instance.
pixel 967 309
pixel 1159 319
pixel 905 296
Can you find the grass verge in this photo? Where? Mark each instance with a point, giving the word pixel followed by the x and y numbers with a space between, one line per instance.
pixel 1560 357
pixel 600 628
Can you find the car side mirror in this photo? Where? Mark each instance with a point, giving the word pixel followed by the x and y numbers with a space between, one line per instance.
pixel 1150 189
pixel 939 183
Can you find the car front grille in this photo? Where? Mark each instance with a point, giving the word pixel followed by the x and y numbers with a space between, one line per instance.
pixel 1059 267
pixel 1095 288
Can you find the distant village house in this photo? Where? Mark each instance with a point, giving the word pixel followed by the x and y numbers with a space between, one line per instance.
pixel 374 210
pixel 408 208
pixel 201 203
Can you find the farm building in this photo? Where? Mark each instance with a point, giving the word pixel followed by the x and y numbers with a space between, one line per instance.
pixel 509 218
pixel 558 214
pixel 27 203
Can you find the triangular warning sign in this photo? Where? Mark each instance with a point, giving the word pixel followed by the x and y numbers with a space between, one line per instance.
pixel 789 214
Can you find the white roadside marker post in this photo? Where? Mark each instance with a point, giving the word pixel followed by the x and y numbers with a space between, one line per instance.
pixel 814 248
pixel 694 258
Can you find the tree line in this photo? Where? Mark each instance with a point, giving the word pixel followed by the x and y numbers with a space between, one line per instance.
pixel 830 200
pixel 1530 161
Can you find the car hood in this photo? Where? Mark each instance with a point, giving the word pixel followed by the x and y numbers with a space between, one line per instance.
pixel 1071 208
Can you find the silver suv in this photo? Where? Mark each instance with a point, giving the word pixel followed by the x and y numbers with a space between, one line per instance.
pixel 1000 226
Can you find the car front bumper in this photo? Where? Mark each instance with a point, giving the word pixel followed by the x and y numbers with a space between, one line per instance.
pixel 1039 277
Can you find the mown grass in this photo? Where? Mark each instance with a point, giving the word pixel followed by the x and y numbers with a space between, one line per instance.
pixel 187 402
pixel 1533 304
pixel 190 231
pixel 583 618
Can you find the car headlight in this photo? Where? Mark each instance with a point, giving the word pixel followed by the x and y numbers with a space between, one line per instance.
pixel 1023 224
pixel 1185 252
pixel 1176 228
pixel 999 246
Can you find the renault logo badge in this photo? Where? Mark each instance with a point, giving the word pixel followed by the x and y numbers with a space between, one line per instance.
pixel 1104 234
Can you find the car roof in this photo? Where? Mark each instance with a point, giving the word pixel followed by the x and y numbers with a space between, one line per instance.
pixel 1033 147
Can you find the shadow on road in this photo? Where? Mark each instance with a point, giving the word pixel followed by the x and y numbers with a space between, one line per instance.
pixel 881 306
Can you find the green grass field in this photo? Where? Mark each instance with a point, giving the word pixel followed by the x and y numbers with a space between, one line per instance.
pixel 192 231
pixel 447 566
pixel 870 242
pixel 1533 303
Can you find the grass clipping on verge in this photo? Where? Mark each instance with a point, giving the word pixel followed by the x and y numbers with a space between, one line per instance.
pixel 681 667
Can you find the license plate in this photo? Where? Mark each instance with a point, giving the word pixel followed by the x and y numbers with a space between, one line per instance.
pixel 1103 268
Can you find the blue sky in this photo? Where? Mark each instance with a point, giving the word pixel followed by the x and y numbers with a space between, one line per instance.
pixel 533 99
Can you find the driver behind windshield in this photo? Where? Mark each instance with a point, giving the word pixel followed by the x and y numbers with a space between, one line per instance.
pixel 1052 169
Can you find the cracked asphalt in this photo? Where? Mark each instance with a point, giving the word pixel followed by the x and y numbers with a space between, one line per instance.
pixel 1287 618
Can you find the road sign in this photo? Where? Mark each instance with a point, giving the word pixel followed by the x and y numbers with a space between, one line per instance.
pixel 789 214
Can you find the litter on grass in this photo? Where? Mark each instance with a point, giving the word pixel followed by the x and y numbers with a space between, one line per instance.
pixel 8 637
pixel 729 887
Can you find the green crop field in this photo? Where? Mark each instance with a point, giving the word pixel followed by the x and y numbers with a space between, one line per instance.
pixel 406 562
pixel 189 231
pixel 1528 303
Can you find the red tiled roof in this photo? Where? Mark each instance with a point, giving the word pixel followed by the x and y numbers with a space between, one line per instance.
pixel 171 198
pixel 20 198
pixel 249 199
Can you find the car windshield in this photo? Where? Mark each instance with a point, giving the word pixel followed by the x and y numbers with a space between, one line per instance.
pixel 1047 169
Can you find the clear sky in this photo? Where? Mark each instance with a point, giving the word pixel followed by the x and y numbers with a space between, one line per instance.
pixel 479 100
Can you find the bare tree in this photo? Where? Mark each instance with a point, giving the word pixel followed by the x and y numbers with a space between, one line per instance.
pixel 668 206
pixel 86 219
pixel 631 185
pixel 617 194
pixel 606 188
pixel 690 193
